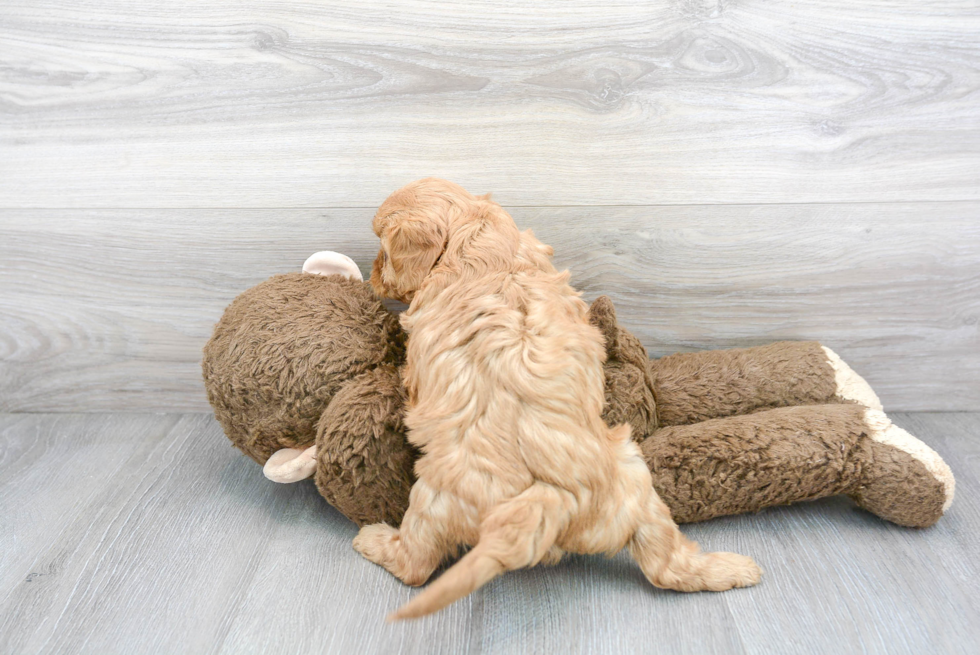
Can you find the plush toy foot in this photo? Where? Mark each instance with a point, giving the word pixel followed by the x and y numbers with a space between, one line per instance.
pixel 791 454
pixel 327 262
pixel 291 464
pixel 850 385
pixel 905 481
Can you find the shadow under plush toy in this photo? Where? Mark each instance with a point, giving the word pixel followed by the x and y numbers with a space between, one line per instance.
pixel 302 373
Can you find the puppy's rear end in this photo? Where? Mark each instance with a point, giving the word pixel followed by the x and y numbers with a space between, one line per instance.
pixel 571 483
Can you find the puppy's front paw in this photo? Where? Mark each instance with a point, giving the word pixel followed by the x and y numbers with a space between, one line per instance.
pixel 375 542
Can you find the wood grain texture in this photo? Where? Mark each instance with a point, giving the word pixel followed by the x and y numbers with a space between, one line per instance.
pixel 176 543
pixel 109 309
pixel 269 103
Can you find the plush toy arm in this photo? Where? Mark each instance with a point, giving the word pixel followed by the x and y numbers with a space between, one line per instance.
pixel 365 464
pixel 775 457
pixel 693 387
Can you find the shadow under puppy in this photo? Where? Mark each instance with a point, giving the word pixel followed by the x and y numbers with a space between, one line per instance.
pixel 505 396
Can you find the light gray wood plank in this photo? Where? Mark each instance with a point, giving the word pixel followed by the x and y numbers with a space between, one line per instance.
pixel 185 547
pixel 156 561
pixel 312 593
pixel 47 481
pixel 270 103
pixel 897 296
pixel 109 309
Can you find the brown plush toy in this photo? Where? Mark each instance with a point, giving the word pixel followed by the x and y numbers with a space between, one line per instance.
pixel 302 372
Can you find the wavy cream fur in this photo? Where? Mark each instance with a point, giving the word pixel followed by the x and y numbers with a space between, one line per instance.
pixel 505 384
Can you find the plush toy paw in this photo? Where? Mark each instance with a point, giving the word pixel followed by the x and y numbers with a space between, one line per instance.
pixel 850 385
pixel 291 464
pixel 327 262
pixel 905 481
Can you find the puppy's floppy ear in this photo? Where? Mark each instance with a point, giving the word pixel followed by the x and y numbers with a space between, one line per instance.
pixel 414 246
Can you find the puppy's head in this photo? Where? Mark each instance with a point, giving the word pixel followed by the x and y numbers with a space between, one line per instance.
pixel 415 225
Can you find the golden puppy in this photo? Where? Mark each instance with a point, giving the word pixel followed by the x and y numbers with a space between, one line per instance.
pixel 505 384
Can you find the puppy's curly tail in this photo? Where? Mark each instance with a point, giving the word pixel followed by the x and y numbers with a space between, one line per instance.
pixel 517 533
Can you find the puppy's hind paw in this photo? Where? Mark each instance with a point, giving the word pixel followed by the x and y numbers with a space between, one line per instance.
pixel 723 571
pixel 375 542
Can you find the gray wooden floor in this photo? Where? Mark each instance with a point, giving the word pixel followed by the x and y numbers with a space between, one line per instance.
pixel 731 173
pixel 148 533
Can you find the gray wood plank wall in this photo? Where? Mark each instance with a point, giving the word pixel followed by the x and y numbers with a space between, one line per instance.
pixel 109 309
pixel 274 103
pixel 730 173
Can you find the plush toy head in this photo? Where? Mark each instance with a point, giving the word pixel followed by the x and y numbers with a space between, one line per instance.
pixel 284 349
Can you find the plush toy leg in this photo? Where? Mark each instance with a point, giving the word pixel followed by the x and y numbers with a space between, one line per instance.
pixel 291 464
pixel 694 387
pixel 786 455
pixel 362 462
pixel 851 386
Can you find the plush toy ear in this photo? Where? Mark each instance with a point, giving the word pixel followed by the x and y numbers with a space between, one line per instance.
pixel 291 464
pixel 602 315
pixel 327 262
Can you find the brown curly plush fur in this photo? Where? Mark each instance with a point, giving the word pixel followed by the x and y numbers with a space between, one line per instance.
pixel 284 348
pixel 303 359
pixel 749 428
pixel 364 463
